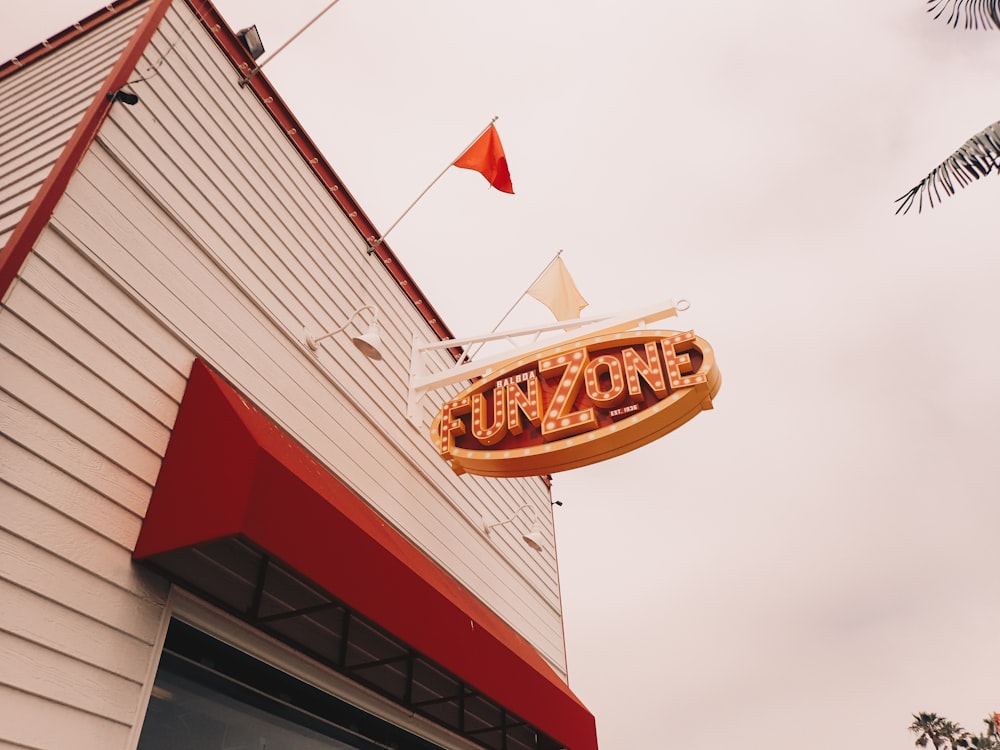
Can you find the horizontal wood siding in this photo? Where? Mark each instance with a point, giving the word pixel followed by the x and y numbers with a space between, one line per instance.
pixel 42 106
pixel 62 726
pixel 223 231
pixel 80 447
pixel 78 621
pixel 194 229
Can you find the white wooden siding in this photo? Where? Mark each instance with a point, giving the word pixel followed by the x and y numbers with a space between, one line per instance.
pixel 62 727
pixel 43 104
pixel 384 460
pixel 78 620
pixel 193 228
pixel 223 230
pixel 78 457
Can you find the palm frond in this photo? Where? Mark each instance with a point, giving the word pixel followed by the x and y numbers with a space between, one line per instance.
pixel 977 157
pixel 978 14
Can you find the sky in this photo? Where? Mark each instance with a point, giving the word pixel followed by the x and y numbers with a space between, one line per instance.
pixel 816 558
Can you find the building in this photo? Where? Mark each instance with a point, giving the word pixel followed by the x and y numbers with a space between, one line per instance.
pixel 212 535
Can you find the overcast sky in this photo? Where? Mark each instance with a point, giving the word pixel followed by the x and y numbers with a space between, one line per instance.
pixel 817 558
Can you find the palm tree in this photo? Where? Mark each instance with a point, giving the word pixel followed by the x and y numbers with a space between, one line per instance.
pixel 944 734
pixel 979 155
pixel 954 734
pixel 927 727
pixel 990 739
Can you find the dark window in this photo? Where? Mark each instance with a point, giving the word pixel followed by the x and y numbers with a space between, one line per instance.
pixel 210 696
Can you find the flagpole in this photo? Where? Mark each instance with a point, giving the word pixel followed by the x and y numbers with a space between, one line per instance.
pixel 256 70
pixel 461 153
pixel 469 355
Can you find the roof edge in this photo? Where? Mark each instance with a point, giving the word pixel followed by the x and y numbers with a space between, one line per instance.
pixel 19 245
pixel 269 98
pixel 67 35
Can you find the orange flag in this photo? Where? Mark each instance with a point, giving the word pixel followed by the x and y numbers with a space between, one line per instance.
pixel 486 156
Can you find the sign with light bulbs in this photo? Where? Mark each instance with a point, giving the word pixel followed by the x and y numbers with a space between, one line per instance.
pixel 577 403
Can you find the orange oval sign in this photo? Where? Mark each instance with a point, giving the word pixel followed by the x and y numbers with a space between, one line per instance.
pixel 578 403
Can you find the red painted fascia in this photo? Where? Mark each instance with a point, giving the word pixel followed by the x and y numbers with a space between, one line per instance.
pixel 230 471
pixel 21 242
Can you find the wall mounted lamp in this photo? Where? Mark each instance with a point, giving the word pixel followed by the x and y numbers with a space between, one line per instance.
pixel 533 538
pixel 370 342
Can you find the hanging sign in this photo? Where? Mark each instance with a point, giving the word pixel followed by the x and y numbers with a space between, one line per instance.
pixel 578 403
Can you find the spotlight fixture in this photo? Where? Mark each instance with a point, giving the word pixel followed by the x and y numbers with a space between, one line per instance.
pixel 533 537
pixel 369 343
pixel 125 97
pixel 251 40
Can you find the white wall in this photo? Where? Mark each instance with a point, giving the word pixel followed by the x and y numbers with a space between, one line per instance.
pixel 193 228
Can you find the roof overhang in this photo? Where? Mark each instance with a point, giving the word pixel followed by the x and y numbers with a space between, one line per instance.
pixel 14 254
pixel 247 518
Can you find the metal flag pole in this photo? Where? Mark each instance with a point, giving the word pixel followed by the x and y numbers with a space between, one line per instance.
pixel 466 355
pixel 296 35
pixel 381 238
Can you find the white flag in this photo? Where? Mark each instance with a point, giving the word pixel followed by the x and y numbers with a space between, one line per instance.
pixel 555 289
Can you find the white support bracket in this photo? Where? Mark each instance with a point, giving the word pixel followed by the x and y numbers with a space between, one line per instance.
pixel 423 381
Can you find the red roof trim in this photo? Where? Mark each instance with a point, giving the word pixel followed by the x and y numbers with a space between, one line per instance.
pixel 21 242
pixel 64 37
pixel 230 44
pixel 13 255
pixel 230 471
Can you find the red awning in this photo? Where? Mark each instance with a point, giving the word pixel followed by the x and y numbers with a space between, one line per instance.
pixel 244 515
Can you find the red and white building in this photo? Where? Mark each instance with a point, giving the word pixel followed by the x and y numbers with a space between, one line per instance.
pixel 211 535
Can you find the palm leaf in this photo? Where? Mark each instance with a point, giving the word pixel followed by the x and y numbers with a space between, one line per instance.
pixel 979 14
pixel 976 158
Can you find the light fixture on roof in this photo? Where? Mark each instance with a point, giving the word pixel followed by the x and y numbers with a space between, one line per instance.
pixel 369 343
pixel 251 40
pixel 260 47
pixel 533 537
